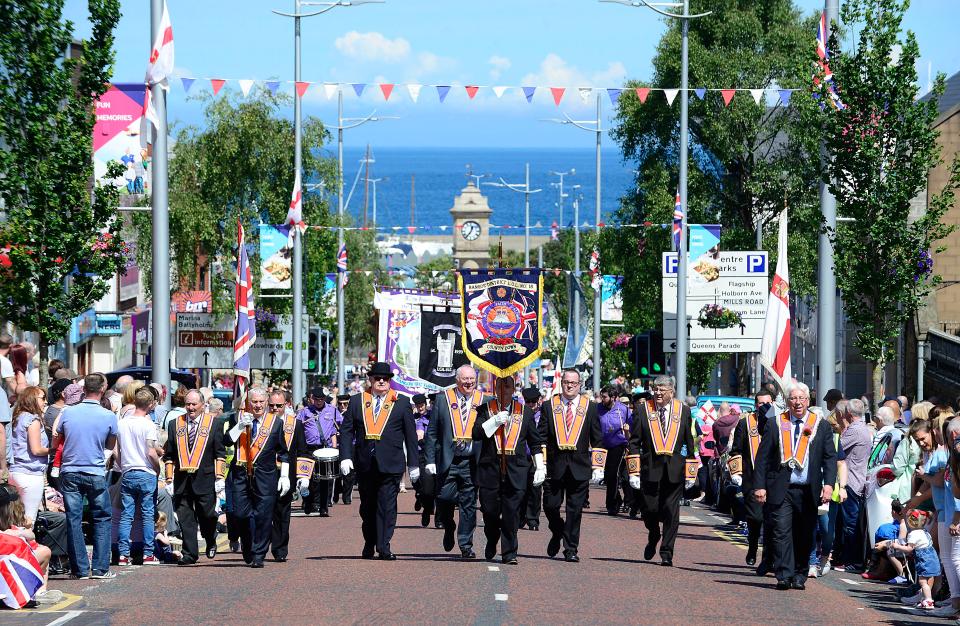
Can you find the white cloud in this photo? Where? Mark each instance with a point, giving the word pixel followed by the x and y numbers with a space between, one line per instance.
pixel 555 72
pixel 373 46
pixel 498 65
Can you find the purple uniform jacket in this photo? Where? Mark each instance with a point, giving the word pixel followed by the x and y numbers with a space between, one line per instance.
pixel 612 422
pixel 319 427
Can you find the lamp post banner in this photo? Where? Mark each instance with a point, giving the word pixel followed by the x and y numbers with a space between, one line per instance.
pixel 501 318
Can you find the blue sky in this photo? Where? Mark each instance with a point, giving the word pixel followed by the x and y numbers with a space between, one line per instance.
pixel 569 43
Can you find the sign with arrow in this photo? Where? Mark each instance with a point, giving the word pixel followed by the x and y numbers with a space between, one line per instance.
pixel 205 342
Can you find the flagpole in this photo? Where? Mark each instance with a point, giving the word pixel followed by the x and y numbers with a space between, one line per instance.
pixel 160 287
pixel 596 292
pixel 341 326
pixel 297 365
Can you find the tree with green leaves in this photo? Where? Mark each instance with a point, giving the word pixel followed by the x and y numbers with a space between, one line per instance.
pixel 882 145
pixel 61 240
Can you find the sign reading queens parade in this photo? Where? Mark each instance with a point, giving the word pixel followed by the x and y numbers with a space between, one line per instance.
pixel 501 318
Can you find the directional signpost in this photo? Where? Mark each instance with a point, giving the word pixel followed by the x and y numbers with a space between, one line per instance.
pixel 736 281
pixel 207 343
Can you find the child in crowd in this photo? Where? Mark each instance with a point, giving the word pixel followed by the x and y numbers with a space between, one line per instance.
pixel 925 557
pixel 163 546
pixel 14 522
pixel 882 560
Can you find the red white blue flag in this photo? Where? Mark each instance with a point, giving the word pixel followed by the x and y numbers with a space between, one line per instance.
pixel 20 573
pixel 245 326
pixel 159 68
pixel 342 264
pixel 295 212
pixel 823 62
pixel 677 222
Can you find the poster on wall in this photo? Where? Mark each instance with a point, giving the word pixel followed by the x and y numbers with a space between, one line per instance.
pixel 116 137
pixel 611 299
pixel 276 254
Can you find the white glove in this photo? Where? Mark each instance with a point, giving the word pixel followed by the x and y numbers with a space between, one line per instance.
pixel 597 476
pixel 246 419
pixel 431 469
pixel 346 466
pixel 635 482
pixel 502 418
pixel 219 485
pixel 414 474
pixel 283 485
pixel 303 483
pixel 169 488
pixel 736 479
pixel 539 476
pixel 491 425
pixel 689 484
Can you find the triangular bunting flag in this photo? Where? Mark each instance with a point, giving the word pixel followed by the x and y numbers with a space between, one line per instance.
pixel 358 88
pixel 442 91
pixel 585 93
pixel 414 90
pixel 642 93
pixel 557 94
pixel 727 95
pixel 701 92
pixel 217 84
pixel 301 88
pixel 670 94
pixel 757 95
pixel 614 95
pixel 411 229
pixel 245 85
pixel 187 83
pixel 528 93
pixel 386 89
pixel 472 91
pixel 272 85
pixel 785 96
pixel 499 90
pixel 329 90
pixel 443 228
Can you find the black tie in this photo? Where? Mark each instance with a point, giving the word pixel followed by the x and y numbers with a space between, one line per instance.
pixel 192 434
pixel 254 427
pixel 796 431
pixel 663 419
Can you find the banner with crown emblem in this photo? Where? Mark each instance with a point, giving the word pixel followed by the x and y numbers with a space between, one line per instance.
pixel 501 318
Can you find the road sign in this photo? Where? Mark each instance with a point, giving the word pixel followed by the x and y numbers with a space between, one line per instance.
pixel 735 281
pixel 205 342
pixel 273 349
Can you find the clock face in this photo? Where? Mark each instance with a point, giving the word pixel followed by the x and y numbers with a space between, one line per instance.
pixel 470 230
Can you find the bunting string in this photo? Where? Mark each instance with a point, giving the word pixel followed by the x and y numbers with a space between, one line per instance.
pixel 446 227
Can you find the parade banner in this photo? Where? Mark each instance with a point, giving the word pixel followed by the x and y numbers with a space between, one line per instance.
pixel 441 347
pixel 116 137
pixel 502 318
pixel 611 299
pixel 276 252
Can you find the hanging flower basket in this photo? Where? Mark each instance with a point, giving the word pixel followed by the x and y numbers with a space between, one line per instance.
pixel 716 316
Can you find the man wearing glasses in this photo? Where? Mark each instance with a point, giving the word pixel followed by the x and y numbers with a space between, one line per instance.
pixel 570 427
pixel 660 461
pixel 297 473
pixel 795 472
pixel 381 420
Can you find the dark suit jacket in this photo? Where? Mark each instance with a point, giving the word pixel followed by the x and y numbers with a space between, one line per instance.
pixel 201 481
pixel 296 448
pixel 774 476
pixel 741 446
pixel 578 461
pixel 438 444
pixel 399 430
pixel 653 466
pixel 274 450
pixel 518 464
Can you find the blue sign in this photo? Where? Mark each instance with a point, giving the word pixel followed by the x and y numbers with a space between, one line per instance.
pixel 83 327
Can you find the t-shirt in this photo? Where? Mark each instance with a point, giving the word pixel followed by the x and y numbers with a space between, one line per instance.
pixel 25 461
pixel 919 538
pixel 6 367
pixel 86 428
pixel 135 433
pixel 938 493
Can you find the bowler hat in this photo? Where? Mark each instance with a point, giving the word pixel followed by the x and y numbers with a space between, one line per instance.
pixel 419 399
pixel 833 395
pixel 343 397
pixel 531 394
pixel 380 369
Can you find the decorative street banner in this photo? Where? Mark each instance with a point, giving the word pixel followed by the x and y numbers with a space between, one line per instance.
pixel 441 347
pixel 116 134
pixel 329 296
pixel 502 318
pixel 611 299
pixel 276 266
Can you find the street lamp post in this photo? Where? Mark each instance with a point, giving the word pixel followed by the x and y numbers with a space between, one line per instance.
pixel 374 181
pixel 559 186
pixel 161 229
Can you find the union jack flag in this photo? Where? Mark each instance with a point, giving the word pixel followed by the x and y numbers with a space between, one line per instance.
pixel 823 63
pixel 20 573
pixel 342 264
pixel 677 222
pixel 245 327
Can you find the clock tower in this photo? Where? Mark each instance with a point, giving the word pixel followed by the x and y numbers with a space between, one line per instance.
pixel 471 228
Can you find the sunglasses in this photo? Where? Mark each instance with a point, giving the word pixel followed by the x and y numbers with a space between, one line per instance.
pixel 379 379
pixel 276 406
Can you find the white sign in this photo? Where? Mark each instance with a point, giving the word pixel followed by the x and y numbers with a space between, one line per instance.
pixel 273 349
pixel 204 342
pixel 733 280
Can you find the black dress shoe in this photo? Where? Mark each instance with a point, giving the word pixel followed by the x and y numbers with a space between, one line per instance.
pixel 324 514
pixel 186 562
pixel 571 557
pixel 490 551
pixel 416 505
pixel 425 518
pixel 650 550
pixel 367 551
pixel 387 556
pixel 798 584
pixel 257 565
pixel 307 511
pixel 248 560
pixel 211 550
pixel 280 559
pixel 763 569
pixel 510 561
pixel 751 558
pixel 468 554
pixel 666 562
pixel 553 547
pixel 783 585
pixel 449 536
pixel 348 500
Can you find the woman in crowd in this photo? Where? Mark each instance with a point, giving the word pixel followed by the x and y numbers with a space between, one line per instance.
pixel 129 395
pixel 18 358
pixel 29 448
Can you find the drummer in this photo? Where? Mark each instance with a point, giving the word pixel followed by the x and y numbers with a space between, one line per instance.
pixel 320 420
pixel 343 485
pixel 425 486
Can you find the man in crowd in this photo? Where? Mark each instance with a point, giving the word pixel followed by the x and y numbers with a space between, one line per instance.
pixel 297 472
pixel 6 367
pixel 89 434
pixel 254 477
pixel 661 464
pixel 320 422
pixel 505 433
pixel 571 428
pixel 139 464
pixel 533 496
pixel 426 486
pixel 194 459
pixel 855 441
pixel 830 400
pixel 343 485
pixel 615 422
pixel 742 466
pixel 795 473
pixel 451 456
pixel 381 420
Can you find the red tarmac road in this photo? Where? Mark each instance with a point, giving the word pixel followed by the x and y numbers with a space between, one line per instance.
pixel 325 581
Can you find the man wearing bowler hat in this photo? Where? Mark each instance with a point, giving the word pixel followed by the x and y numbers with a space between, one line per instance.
pixel 382 422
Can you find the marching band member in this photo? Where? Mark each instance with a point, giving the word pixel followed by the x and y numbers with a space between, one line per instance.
pixel 382 422
pixel 320 423
pixel 533 496
pixel 424 487
pixel 661 463
pixel 194 461
pixel 343 485
pixel 505 432
pixel 615 422
pixel 570 427
pixel 296 473
pixel 254 476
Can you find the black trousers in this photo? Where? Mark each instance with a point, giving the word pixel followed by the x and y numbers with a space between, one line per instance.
pixel 196 510
pixel 343 485
pixel 378 507
pixel 661 512
pixel 793 521
pixel 253 506
pixel 500 506
pixel 615 477
pixel 574 492
pixel 456 490
pixel 280 527
pixel 532 500
pixel 318 497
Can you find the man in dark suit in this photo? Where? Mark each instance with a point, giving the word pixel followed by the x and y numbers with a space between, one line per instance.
pixel 570 427
pixel 660 461
pixel 298 473
pixel 795 472
pixel 533 496
pixel 382 423
pixel 194 460
pixel 254 476
pixel 450 454
pixel 506 433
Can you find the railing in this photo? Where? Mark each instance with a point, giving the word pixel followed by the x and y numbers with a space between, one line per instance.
pixel 951 328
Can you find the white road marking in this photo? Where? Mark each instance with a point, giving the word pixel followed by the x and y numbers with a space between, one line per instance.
pixel 493 568
pixel 66 617
pixel 849 581
pixel 500 597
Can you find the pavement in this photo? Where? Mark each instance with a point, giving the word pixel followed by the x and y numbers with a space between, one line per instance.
pixel 325 581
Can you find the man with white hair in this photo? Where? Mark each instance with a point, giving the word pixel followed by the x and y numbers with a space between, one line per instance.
pixel 855 442
pixel 796 468
pixel 885 421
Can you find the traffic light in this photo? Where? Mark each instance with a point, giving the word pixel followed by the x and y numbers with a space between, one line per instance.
pixel 658 360
pixel 647 353
pixel 313 350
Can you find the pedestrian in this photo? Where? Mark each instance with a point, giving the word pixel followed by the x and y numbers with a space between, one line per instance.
pixel 319 420
pixel 661 464
pixel 381 423
pixel 89 434
pixel 30 448
pixel 855 441
pixel 19 541
pixel 920 544
pixel 139 460
pixel 796 471
pixel 615 424
pixel 299 468
pixel 505 433
pixel 20 361
pixel 574 443
pixel 7 377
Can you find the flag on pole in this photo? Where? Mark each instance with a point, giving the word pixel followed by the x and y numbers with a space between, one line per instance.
pixel 823 54
pixel 295 212
pixel 20 573
pixel 677 222
pixel 342 263
pixel 245 326
pixel 595 278
pixel 554 231
pixel 775 349
pixel 148 119
pixel 159 68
